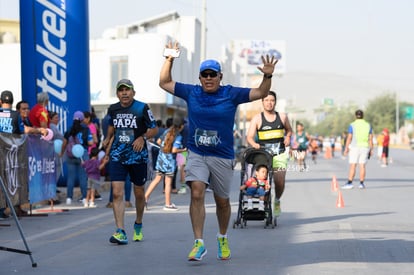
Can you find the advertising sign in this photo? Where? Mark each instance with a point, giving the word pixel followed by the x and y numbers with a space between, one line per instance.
pixel 248 54
pixel 55 55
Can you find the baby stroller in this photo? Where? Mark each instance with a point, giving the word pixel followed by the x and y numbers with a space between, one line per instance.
pixel 251 158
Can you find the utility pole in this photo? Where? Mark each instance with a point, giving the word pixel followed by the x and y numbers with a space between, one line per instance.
pixel 203 31
pixel 397 112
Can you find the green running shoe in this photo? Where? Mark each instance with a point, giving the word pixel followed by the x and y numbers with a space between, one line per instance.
pixel 138 236
pixel 119 237
pixel 223 252
pixel 198 252
pixel 276 208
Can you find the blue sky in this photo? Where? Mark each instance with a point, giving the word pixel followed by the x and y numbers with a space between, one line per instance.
pixel 371 40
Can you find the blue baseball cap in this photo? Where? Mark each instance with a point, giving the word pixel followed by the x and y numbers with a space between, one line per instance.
pixel 210 64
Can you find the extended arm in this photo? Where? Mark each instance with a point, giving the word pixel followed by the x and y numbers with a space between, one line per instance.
pixel 269 64
pixel 288 131
pixel 252 132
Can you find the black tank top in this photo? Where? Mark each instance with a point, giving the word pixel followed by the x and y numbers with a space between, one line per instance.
pixel 272 133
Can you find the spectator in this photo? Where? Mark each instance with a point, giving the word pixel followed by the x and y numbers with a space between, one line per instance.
pixel 80 132
pixel 385 147
pixel 11 122
pixel 39 116
pixel 54 125
pixel 359 146
pixel 92 129
pixel 93 167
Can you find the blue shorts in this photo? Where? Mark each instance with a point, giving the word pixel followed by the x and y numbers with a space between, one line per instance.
pixel 137 172
pixel 251 191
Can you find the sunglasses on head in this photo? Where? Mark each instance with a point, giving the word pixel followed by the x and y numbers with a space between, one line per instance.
pixel 207 74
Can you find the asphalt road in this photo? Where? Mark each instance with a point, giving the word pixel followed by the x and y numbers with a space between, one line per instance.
pixel 371 234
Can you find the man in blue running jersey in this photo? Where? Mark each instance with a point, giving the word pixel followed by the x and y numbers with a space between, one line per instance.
pixel 210 163
pixel 131 123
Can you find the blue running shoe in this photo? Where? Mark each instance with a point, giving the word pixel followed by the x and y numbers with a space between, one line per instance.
pixel 119 237
pixel 198 251
pixel 347 186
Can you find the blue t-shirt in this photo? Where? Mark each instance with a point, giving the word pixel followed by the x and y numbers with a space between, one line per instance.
pixel 130 123
pixel 211 118
pixel 11 122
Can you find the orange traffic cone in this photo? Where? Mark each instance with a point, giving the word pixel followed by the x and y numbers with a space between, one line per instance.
pixel 334 184
pixel 328 153
pixel 340 200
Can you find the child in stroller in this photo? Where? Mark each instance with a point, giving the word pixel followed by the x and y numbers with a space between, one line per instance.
pixel 256 164
pixel 257 186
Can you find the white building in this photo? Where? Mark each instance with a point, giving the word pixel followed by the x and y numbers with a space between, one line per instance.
pixel 133 51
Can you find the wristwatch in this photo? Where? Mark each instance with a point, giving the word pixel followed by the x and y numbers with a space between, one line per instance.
pixel 268 76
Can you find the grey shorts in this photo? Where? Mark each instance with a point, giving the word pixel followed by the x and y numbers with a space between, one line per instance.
pixel 92 184
pixel 213 171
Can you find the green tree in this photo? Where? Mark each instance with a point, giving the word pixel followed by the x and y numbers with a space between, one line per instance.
pixel 381 112
pixel 336 121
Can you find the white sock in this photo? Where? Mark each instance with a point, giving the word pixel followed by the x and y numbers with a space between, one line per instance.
pixel 199 240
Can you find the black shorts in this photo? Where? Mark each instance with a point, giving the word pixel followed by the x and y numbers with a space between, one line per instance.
pixel 119 172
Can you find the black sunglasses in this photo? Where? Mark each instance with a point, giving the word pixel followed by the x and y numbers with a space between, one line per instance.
pixel 211 74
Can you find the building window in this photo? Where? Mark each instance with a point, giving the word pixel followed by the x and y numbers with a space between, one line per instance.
pixel 119 70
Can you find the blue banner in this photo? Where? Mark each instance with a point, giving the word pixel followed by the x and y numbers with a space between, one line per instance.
pixel 42 169
pixel 55 55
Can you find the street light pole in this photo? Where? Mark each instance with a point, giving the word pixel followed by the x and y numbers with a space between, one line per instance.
pixel 203 31
pixel 397 117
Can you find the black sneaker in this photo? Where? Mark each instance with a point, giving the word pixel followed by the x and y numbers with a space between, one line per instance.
pixel 3 215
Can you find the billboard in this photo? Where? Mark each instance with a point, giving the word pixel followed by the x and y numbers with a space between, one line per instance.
pixel 55 55
pixel 248 54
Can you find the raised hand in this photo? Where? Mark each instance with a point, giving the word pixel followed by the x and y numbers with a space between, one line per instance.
pixel 269 63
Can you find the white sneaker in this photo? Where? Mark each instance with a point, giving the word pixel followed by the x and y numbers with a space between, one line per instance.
pixel 347 186
pixel 68 201
pixel 84 202
pixel 170 207
pixel 249 205
pixel 182 190
pixel 92 204
pixel 86 205
pixel 261 206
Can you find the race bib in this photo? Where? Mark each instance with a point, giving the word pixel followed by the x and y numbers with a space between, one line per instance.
pixel 207 138
pixel 126 136
pixel 274 148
